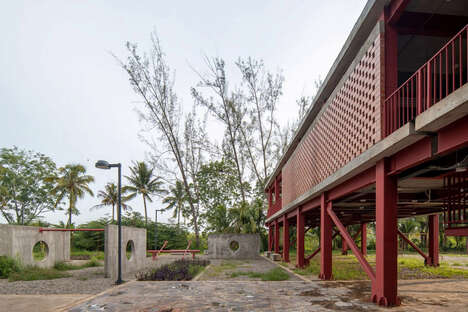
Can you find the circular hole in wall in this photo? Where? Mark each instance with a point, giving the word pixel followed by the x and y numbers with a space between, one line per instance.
pixel 234 245
pixel 129 249
pixel 40 251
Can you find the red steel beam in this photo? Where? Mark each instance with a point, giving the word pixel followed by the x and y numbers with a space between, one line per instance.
pixel 276 235
pixel 411 156
pixel 349 240
pixel 311 204
pixel 308 258
pixel 357 182
pixel 70 230
pixel 453 136
pixel 457 231
pixel 412 244
pixel 395 10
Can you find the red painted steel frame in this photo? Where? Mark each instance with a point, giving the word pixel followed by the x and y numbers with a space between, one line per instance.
pixel 285 239
pixel 270 237
pixel 308 258
pixel 364 239
pixel 325 240
pixel 70 230
pixel 299 238
pixel 458 231
pixel 277 236
pixel 155 253
pixel 413 245
pixel 384 290
pixel 433 224
pixel 344 245
pixel 349 240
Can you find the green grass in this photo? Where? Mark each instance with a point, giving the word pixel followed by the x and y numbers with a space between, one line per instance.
pixel 86 253
pixel 32 273
pixel 444 270
pixel 276 274
pixel 63 266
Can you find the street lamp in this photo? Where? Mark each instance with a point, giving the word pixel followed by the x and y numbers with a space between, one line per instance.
pixel 102 164
pixel 156 228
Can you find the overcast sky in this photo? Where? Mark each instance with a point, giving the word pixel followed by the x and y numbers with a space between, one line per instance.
pixel 62 94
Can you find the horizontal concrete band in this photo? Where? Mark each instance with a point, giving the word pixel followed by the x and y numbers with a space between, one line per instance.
pixel 443 113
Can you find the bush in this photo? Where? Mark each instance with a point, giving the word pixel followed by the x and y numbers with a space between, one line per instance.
pixel 180 270
pixel 7 266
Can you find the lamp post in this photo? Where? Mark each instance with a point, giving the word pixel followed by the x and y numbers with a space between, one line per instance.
pixel 156 228
pixel 102 164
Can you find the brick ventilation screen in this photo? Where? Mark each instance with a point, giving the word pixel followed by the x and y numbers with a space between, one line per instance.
pixel 347 126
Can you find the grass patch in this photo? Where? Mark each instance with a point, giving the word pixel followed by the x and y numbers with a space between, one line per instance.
pixel 86 255
pixel 444 270
pixel 180 270
pixel 63 266
pixel 276 274
pixel 32 273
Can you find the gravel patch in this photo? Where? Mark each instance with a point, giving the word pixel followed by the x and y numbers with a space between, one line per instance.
pixel 84 281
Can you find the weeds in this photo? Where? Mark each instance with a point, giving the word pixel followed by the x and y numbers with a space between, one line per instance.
pixel 276 274
pixel 32 273
pixel 63 266
pixel 180 270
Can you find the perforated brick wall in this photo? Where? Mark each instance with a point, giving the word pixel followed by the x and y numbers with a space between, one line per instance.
pixel 347 125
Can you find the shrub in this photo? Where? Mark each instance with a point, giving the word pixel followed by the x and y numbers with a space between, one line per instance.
pixel 180 270
pixel 7 266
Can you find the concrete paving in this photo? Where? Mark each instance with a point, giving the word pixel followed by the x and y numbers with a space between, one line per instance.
pixel 30 303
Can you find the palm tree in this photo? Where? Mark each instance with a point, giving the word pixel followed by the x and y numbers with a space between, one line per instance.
pixel 407 227
pixel 110 197
pixel 176 200
pixel 143 182
pixel 72 182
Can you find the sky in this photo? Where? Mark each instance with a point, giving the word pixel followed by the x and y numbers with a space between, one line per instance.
pixel 64 95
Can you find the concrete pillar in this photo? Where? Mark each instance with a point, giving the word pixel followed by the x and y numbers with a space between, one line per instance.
pixel 325 240
pixel 364 239
pixel 433 225
pixel 277 236
pixel 384 289
pixel 285 239
pixel 299 238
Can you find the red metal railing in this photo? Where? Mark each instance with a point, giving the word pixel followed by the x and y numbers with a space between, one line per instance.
pixel 444 73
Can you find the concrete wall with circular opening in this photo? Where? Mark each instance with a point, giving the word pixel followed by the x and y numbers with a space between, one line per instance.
pixel 233 246
pixel 133 240
pixel 19 242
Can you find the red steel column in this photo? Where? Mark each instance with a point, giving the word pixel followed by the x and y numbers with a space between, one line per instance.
pixel 325 240
pixel 277 236
pixel 364 239
pixel 299 238
pixel 270 237
pixel 433 225
pixel 285 239
pixel 344 246
pixel 385 288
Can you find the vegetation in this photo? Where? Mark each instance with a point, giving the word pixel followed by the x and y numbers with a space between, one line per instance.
pixel 110 197
pixel 176 200
pixel 275 274
pixel 180 270
pixel 8 266
pixel 24 188
pixel 143 182
pixel 72 183
pixel 32 273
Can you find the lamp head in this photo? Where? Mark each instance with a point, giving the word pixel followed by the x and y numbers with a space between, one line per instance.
pixel 102 164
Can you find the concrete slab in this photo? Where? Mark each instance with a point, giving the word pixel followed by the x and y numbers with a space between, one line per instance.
pixel 445 112
pixel 220 246
pixel 34 303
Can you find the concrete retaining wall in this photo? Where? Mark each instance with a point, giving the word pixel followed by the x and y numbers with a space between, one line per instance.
pixel 219 246
pixel 18 241
pixel 137 260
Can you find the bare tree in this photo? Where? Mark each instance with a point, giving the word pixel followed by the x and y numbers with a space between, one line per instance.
pixel 228 108
pixel 152 80
pixel 262 92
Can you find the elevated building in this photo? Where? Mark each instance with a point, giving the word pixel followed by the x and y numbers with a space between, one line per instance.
pixel 385 138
